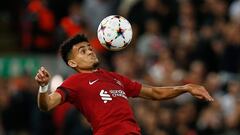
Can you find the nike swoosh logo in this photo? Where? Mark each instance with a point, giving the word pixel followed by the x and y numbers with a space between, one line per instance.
pixel 92 82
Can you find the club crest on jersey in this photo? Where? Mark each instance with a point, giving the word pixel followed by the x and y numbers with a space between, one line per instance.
pixel 118 82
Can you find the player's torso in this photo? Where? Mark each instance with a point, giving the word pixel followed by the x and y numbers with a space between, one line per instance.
pixel 102 99
pixel 102 89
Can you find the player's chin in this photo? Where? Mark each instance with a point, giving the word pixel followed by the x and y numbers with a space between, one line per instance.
pixel 96 64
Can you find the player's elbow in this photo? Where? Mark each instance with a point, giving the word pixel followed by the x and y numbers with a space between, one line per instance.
pixel 44 107
pixel 158 95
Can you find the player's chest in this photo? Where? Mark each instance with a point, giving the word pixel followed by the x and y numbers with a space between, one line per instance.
pixel 104 89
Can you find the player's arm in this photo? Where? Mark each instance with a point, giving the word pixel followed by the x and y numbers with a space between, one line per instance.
pixel 45 100
pixel 163 93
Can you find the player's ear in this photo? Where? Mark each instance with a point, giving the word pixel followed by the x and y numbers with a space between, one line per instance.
pixel 72 63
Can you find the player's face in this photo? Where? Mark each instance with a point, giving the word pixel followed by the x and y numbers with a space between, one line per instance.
pixel 83 57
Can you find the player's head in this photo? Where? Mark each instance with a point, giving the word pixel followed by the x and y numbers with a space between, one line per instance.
pixel 78 54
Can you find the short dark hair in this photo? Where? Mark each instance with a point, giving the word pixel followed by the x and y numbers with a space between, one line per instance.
pixel 67 45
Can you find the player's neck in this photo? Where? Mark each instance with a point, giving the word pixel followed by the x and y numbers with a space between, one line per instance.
pixel 86 70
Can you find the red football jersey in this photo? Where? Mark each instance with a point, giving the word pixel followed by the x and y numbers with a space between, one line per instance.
pixel 102 97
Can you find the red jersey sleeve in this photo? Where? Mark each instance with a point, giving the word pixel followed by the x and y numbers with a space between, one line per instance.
pixel 67 92
pixel 132 88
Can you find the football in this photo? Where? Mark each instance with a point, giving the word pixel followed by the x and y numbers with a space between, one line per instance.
pixel 114 33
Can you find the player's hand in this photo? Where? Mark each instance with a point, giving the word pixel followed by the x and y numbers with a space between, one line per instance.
pixel 42 77
pixel 198 91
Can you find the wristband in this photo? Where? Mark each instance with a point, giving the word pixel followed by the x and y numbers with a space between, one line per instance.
pixel 43 89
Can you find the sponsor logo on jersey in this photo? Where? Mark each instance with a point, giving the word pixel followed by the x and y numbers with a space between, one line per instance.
pixel 105 96
pixel 108 96
pixel 118 93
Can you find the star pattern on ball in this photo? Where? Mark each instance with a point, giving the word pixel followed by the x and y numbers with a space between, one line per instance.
pixel 109 44
pixel 102 28
pixel 120 32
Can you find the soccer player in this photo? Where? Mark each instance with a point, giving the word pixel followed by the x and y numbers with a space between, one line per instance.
pixel 100 95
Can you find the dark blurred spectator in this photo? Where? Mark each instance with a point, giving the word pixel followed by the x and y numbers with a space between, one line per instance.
pixel 211 11
pixel 165 121
pixel 179 53
pixel 231 55
pixel 42 123
pixel 38 25
pixel 76 22
pixel 210 120
pixel 142 10
pixel 71 24
pixel 60 7
pixel 96 10
pixel 164 71
pixel 211 53
pixel 150 42
pixel 124 60
pixel 229 100
pixel 234 11
pixel 4 103
pixel 185 118
pixel 213 85
pixel 125 6
pixel 196 73
pixel 16 116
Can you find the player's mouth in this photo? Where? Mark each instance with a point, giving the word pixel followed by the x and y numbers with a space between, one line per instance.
pixel 93 57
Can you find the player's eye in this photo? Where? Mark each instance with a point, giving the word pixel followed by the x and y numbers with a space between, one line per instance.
pixel 82 51
pixel 90 48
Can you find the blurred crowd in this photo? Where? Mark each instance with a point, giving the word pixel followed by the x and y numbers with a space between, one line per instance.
pixel 174 42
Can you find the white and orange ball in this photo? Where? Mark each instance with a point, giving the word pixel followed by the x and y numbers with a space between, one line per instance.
pixel 114 33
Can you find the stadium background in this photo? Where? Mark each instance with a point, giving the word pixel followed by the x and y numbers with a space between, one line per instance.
pixel 175 42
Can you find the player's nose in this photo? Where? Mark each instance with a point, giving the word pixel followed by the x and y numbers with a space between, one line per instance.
pixel 90 52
